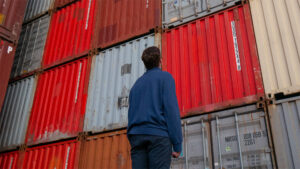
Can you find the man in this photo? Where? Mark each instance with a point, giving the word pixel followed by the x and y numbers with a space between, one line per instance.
pixel 153 117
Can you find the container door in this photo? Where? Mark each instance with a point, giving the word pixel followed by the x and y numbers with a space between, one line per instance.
pixel 241 141
pixel 196 147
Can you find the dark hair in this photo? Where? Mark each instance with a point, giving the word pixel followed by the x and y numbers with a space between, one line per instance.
pixel 151 57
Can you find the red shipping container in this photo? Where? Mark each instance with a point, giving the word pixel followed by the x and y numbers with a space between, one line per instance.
pixel 120 20
pixel 214 62
pixel 61 155
pixel 7 53
pixel 11 18
pixel 59 103
pixel 9 160
pixel 70 33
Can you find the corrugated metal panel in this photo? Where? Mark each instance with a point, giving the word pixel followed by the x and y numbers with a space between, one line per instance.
pixel 9 160
pixel 106 151
pixel 7 53
pixel 70 32
pixel 59 103
pixel 178 12
pixel 285 124
pixel 16 112
pixel 277 30
pixel 36 8
pixel 61 3
pixel 120 20
pixel 214 61
pixel 114 71
pixel 61 155
pixel 11 18
pixel 241 141
pixel 31 45
pixel 196 146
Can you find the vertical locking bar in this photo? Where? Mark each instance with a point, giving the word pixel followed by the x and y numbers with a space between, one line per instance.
pixel 203 143
pixel 219 144
pixel 186 147
pixel 180 10
pixel 238 138
pixel 195 8
pixel 208 5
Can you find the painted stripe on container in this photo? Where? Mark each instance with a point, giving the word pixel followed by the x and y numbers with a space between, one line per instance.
pixel 15 113
pixel 285 124
pixel 56 113
pixel 212 68
pixel 277 30
pixel 114 71
pixel 37 7
pixel 52 156
pixel 30 49
pixel 69 36
pixel 120 20
pixel 111 150
pixel 9 160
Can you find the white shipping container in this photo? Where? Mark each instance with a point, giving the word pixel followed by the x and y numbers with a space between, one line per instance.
pixel 36 8
pixel 277 30
pixel 285 125
pixel 114 71
pixel 15 113
pixel 231 139
pixel 30 49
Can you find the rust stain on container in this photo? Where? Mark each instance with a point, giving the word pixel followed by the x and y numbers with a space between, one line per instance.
pixel 11 18
pixel 106 151
pixel 120 20
pixel 59 104
pixel 7 53
pixel 214 61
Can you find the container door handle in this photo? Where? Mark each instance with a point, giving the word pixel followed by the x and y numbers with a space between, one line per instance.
pixel 238 139
pixel 219 145
pixel 203 143
pixel 208 5
pixel 186 147
pixel 195 7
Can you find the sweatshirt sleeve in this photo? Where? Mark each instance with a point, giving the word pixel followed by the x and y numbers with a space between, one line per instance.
pixel 172 114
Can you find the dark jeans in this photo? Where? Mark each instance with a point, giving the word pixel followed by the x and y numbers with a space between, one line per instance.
pixel 150 152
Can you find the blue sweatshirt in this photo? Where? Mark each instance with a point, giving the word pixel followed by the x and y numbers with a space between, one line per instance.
pixel 153 107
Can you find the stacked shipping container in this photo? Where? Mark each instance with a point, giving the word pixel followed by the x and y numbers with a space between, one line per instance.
pixel 76 62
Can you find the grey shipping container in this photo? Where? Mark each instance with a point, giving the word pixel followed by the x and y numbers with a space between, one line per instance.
pixel 285 125
pixel 234 138
pixel 176 12
pixel 30 49
pixel 15 113
pixel 36 8
pixel 113 73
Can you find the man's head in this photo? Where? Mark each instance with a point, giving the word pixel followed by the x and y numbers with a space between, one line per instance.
pixel 151 57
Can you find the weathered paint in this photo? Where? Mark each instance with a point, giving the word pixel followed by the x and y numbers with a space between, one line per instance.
pixel 62 155
pixel 114 71
pixel 30 49
pixel 176 12
pixel 9 160
pixel 277 30
pixel 70 33
pixel 61 3
pixel 11 18
pixel 7 53
pixel 59 103
pixel 36 8
pixel 214 62
pixel 15 113
pixel 285 125
pixel 107 151
pixel 120 20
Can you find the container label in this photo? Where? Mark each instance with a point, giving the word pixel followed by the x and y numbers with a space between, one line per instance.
pixel 67 159
pixel 9 49
pixel 126 69
pixel 11 162
pixel 236 47
pixel 123 102
pixel 2 16
pixel 88 16
pixel 78 80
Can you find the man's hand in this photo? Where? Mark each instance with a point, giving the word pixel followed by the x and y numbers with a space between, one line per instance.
pixel 175 154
